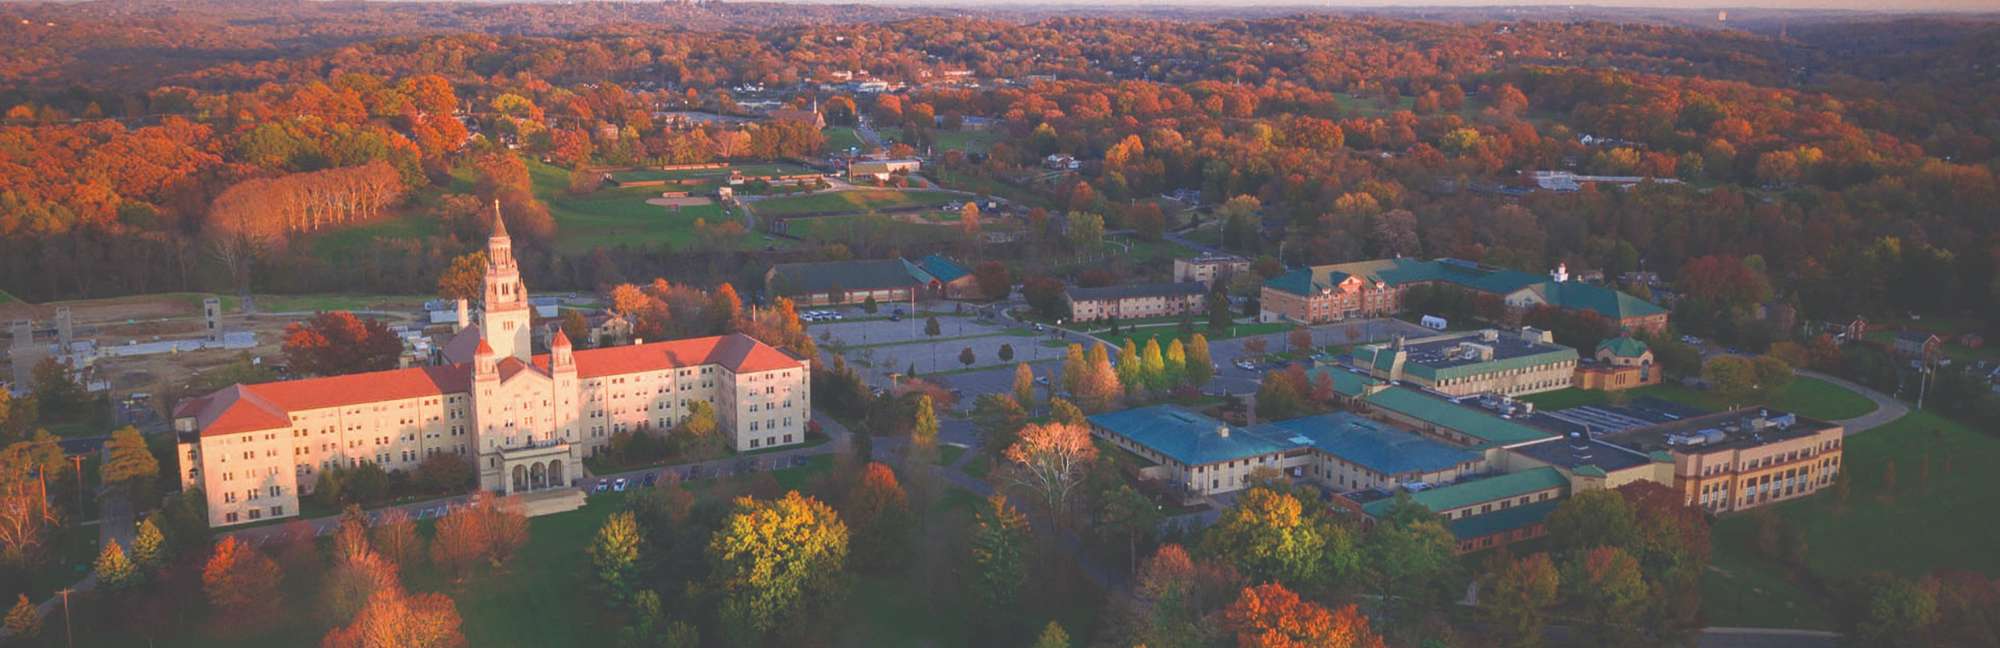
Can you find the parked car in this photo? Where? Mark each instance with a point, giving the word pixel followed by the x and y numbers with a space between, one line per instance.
pixel 602 485
pixel 651 478
pixel 619 485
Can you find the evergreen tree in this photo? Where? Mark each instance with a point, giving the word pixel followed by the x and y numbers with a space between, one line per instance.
pixel 615 554
pixel 1053 636
pixel 149 547
pixel 24 622
pixel 114 570
pixel 999 558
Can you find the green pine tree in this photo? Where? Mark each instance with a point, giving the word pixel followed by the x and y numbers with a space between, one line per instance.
pixel 1053 636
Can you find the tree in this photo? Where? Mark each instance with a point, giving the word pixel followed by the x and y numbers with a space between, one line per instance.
pixel 773 559
pixel 1075 370
pixel 1101 387
pixel 1006 352
pixel 1269 536
pixel 130 466
pixel 1272 616
pixel 923 434
pixel 1063 411
pixel 113 569
pixel 1050 459
pixel 396 619
pixel 24 622
pixel 1124 512
pixel 1895 612
pixel 446 473
pixel 869 305
pixel 1053 636
pixel 465 279
pixel 149 548
pixel 1592 518
pixel 242 586
pixel 354 580
pixel 336 342
pixel 1024 385
pixel 1734 378
pixel 1131 371
pixel 1174 371
pixel 1283 393
pixel 1516 598
pixel 1301 339
pixel 1219 317
pixel 999 556
pixel 1607 591
pixel 1045 294
pixel 931 327
pixel 487 530
pixel 615 555
pixel 966 357
pixel 394 535
pixel 698 435
pixel 878 515
pixel 1200 367
pixel 1153 365
pixel 993 280
pixel 1412 559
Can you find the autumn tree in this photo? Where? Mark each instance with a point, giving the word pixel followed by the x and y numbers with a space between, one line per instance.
pixel 1270 536
pixel 130 466
pixel 1411 559
pixel 353 581
pixel 1050 459
pixel 878 514
pixel 1052 636
pixel 333 343
pixel 465 279
pixel 993 280
pixel 1075 371
pixel 1024 385
pixel 1200 367
pixel 774 559
pixel 242 587
pixel 394 536
pixel 1605 588
pixel 394 618
pixel 1272 616
pixel 487 530
pixel 1516 598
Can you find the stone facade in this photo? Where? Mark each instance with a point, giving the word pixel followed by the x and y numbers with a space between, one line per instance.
pixel 525 421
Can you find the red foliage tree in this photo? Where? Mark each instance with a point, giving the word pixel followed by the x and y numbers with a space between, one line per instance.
pixel 336 342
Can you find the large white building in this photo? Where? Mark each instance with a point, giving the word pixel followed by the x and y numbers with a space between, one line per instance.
pixel 525 421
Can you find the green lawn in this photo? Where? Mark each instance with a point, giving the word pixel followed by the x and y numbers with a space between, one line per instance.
pixel 332 301
pixel 962 140
pixel 851 201
pixel 348 242
pixel 609 217
pixel 841 229
pixel 1567 397
pixel 1810 397
pixel 841 138
pixel 1943 522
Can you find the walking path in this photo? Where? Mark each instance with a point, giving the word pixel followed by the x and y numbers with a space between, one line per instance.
pixel 1887 408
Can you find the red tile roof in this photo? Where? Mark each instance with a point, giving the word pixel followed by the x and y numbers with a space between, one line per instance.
pixel 248 408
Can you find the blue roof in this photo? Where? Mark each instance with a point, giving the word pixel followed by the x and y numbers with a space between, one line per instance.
pixel 1371 445
pixel 1185 436
pixel 946 270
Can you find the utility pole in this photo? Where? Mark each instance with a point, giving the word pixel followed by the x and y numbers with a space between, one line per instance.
pixel 69 638
pixel 78 460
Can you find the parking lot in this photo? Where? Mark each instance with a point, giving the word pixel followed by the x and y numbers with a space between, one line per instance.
pixel 878 346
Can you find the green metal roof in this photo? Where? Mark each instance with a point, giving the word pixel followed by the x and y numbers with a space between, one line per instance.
pixel 1478 491
pixel 1437 374
pixel 1345 383
pixel 1589 470
pixel 1491 429
pixel 1501 521
pixel 1623 347
pixel 1570 294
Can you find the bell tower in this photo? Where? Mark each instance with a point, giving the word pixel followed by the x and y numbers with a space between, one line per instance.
pixel 504 311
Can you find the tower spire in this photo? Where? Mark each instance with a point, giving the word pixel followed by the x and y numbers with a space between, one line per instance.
pixel 499 224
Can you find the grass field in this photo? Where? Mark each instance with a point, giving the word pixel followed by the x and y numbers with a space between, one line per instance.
pixel 1922 524
pixel 1810 397
pixel 840 229
pixel 610 217
pixel 961 140
pixel 841 138
pixel 851 201
pixel 331 301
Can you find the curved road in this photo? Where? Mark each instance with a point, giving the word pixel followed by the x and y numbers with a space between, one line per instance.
pixel 1887 408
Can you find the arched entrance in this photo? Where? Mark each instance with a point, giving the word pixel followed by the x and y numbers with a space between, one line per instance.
pixel 556 474
pixel 520 478
pixel 538 476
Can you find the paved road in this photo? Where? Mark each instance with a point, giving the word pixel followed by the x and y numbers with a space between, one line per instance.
pixel 1887 408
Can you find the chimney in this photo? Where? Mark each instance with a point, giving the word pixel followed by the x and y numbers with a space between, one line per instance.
pixel 65 328
pixel 464 317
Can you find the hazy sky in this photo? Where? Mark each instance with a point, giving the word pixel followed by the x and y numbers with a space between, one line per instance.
pixel 1854 5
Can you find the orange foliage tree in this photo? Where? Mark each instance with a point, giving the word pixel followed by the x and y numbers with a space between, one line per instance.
pixel 1050 458
pixel 396 619
pixel 1271 616
pixel 242 587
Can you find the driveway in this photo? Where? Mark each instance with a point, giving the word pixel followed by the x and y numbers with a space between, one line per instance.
pixel 1887 408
